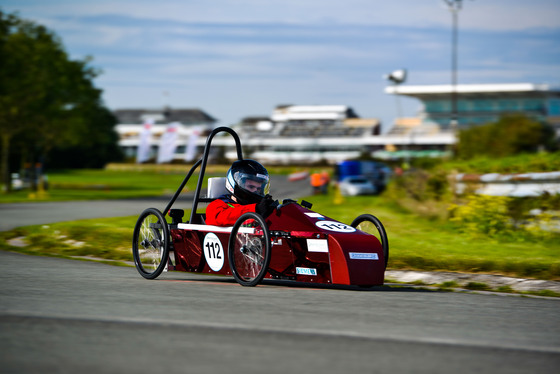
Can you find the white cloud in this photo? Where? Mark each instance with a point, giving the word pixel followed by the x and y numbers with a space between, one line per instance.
pixel 243 57
pixel 478 14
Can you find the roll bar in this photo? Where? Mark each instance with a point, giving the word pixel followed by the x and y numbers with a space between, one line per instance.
pixel 202 163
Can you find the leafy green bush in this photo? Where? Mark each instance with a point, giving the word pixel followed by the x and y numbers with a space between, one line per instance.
pixel 511 134
pixel 421 185
pixel 482 214
pixel 505 218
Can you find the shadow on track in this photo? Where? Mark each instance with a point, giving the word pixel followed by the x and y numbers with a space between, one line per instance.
pixel 226 280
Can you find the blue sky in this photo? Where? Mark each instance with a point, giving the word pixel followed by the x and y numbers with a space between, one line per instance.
pixel 238 58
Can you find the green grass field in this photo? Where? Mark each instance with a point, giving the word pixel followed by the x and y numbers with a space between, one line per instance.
pixel 107 184
pixel 421 244
pixel 119 182
pixel 415 242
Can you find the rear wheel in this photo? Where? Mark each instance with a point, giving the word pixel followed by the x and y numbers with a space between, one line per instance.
pixel 249 249
pixel 150 243
pixel 372 225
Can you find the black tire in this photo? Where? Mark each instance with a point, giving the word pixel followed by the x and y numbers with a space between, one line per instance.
pixel 150 243
pixel 249 253
pixel 367 223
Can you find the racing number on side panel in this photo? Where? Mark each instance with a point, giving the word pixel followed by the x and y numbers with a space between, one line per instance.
pixel 334 226
pixel 213 251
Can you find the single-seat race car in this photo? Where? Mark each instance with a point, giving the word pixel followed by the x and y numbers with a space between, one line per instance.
pixel 293 243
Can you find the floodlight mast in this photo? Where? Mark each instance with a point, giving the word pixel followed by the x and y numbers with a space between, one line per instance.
pixel 397 77
pixel 454 7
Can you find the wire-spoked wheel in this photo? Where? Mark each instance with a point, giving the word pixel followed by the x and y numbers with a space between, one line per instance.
pixel 150 243
pixel 249 249
pixel 370 224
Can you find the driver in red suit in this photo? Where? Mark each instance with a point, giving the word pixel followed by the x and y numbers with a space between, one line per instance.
pixel 248 183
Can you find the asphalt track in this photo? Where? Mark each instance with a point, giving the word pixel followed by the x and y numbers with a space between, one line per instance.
pixel 69 316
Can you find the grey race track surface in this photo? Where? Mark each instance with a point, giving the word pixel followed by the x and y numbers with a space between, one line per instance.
pixel 72 316
pixel 79 317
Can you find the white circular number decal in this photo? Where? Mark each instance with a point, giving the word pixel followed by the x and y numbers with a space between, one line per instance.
pixel 334 226
pixel 213 251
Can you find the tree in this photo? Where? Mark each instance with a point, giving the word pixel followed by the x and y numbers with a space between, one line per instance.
pixel 8 110
pixel 101 146
pixel 510 135
pixel 47 100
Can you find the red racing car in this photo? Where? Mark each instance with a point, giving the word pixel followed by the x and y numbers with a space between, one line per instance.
pixel 293 243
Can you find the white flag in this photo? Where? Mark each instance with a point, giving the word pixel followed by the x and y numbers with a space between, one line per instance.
pixel 190 153
pixel 168 143
pixel 143 153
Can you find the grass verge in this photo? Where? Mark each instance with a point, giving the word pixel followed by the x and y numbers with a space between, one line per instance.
pixel 452 286
pixel 91 184
pixel 121 181
pixel 420 244
pixel 107 238
pixel 415 244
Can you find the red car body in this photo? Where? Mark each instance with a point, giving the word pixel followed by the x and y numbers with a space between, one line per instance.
pixel 305 247
pixel 293 243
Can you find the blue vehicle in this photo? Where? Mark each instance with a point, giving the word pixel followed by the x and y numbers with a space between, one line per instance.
pixel 376 172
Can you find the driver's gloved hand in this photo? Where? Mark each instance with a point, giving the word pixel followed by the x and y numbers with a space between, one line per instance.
pixel 266 206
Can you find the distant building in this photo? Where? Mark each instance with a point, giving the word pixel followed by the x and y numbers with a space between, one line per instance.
pixel 132 121
pixel 483 103
pixel 293 134
pixel 327 133
pixel 305 134
pixel 312 115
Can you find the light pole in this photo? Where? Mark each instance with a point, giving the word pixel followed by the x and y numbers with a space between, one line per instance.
pixel 454 7
pixel 397 77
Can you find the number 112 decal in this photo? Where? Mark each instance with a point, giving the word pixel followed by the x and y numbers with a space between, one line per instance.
pixel 213 251
pixel 334 226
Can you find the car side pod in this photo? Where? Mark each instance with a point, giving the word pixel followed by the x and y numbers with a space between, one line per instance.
pixel 356 259
pixel 370 224
pixel 328 251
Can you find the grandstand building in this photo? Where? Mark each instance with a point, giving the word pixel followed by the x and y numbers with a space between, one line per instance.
pixel 293 134
pixel 332 133
pixel 483 103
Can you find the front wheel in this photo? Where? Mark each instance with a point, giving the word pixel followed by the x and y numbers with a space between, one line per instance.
pixel 249 249
pixel 150 243
pixel 370 224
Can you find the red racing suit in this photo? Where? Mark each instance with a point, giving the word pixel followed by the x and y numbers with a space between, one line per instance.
pixel 225 212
